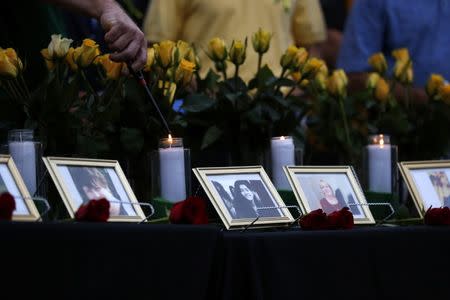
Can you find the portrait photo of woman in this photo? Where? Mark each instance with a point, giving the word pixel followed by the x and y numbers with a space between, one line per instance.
pixel 331 200
pixel 94 183
pixel 244 197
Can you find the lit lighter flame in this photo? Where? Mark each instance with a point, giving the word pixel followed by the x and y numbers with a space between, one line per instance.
pixel 282 138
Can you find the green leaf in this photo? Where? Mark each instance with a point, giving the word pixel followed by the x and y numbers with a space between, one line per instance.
pixel 210 81
pixel 196 103
pixel 265 77
pixel 285 82
pixel 211 136
pixel 132 140
pixel 92 146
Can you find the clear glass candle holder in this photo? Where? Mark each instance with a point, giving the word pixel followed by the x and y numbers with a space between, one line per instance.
pixel 27 152
pixel 380 165
pixel 171 170
pixel 283 153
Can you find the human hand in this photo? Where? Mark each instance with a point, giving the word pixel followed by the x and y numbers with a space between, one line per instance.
pixel 123 36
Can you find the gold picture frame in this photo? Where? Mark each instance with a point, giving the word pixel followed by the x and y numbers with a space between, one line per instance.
pixel 424 179
pixel 79 180
pixel 325 187
pixel 13 183
pixel 239 193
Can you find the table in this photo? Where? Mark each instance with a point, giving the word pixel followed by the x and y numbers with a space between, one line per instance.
pixel 132 261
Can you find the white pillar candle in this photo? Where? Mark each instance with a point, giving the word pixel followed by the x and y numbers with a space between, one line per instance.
pixel 283 154
pixel 23 151
pixel 172 170
pixel 380 165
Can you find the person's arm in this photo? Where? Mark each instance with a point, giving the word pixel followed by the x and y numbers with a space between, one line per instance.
pixel 121 34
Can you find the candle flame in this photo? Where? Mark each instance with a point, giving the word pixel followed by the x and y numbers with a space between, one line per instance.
pixel 169 139
pixel 282 138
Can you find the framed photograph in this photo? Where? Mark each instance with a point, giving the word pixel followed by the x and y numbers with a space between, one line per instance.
pixel 239 193
pixel 329 188
pixel 79 180
pixel 12 182
pixel 428 183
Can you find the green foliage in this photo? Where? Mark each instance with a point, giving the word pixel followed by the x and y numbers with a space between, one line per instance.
pixel 241 117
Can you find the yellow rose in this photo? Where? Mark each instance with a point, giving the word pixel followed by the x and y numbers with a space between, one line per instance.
pixel 337 83
pixel 297 76
pixel 323 69
pixel 435 82
pixel 238 52
pixel 184 71
pixel 401 54
pixel 70 59
pixel 378 62
pixel 10 63
pixel 444 93
pixel 321 81
pixel 304 83
pixel 261 41
pixel 112 69
pixel 403 71
pixel 86 54
pixel 372 80
pixel 58 46
pixel 382 90
pixel 48 59
pixel 185 51
pixel 164 52
pixel 150 59
pixel 300 58
pixel 287 59
pixel 217 50
pixel 312 66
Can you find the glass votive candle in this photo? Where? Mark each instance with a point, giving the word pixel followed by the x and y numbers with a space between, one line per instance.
pixel 171 170
pixel 380 165
pixel 283 153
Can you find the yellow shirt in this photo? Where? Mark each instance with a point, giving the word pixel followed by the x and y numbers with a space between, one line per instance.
pixel 198 21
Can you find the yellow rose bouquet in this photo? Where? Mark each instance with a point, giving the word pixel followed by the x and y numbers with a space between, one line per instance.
pixel 392 109
pixel 77 107
pixel 239 113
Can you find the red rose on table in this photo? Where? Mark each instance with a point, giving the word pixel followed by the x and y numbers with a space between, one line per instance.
pixel 93 211
pixel 315 220
pixel 437 216
pixel 7 206
pixel 341 219
pixel 190 211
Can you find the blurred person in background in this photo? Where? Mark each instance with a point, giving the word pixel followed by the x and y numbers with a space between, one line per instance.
pixel 198 21
pixel 335 13
pixel 383 25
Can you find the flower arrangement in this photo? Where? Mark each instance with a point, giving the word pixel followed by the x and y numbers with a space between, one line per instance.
pixel 190 211
pixel 318 220
pixel 437 216
pixel 94 211
pixel 88 106
pixel 7 206
pixel 241 117
pixel 386 105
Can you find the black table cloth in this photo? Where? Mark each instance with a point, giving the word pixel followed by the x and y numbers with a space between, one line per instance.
pixel 131 261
